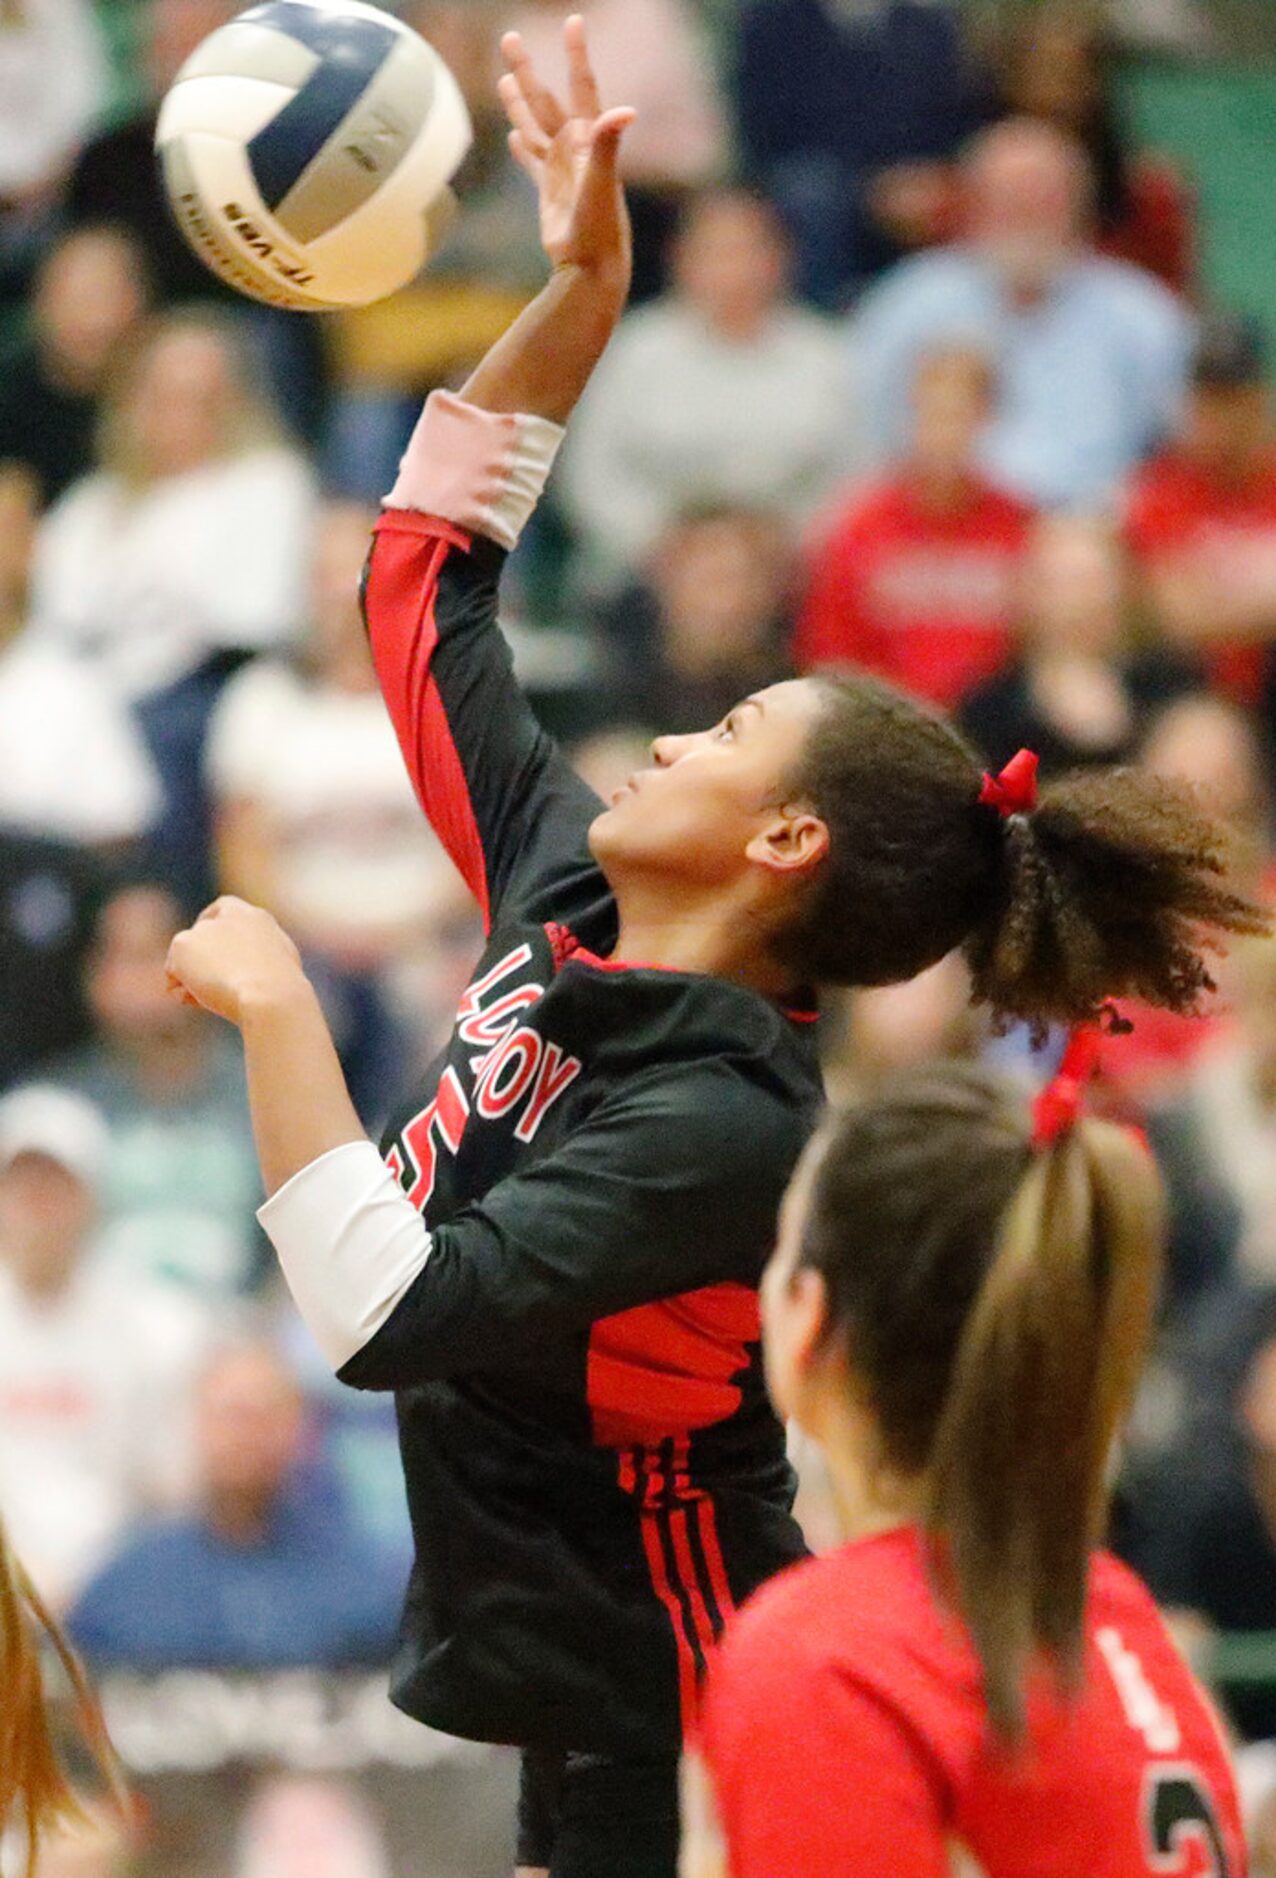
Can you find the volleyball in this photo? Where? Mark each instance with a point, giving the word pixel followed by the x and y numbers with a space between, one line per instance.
pixel 307 148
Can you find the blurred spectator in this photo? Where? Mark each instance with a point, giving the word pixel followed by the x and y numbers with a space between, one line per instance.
pixel 1202 518
pixel 1213 748
pixel 725 392
pixel 185 551
pixel 1091 354
pixel 94 1367
pixel 1211 1550
pixel 89 296
pixel 917 579
pixel 53 84
pixel 303 1826
pixel 650 54
pixel 181 1188
pixel 1218 1134
pixel 877 1033
pixel 387 356
pixel 848 111
pixel 74 767
pixel 712 623
pixel 1075 692
pixel 49 894
pixel 116 178
pixel 1057 64
pixel 264 1574
pixel 316 818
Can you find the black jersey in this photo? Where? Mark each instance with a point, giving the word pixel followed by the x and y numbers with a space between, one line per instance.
pixel 594 1474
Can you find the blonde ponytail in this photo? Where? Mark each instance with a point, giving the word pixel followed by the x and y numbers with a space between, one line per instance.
pixel 35 1792
pixel 1043 1376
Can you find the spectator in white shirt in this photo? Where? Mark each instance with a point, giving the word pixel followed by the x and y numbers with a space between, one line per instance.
pixel 316 818
pixel 185 551
pixel 95 1372
pixel 178 1197
pixel 725 393
pixel 54 81
pixel 74 766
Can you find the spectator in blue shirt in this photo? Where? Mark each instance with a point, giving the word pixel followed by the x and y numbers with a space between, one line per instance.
pixel 837 100
pixel 1091 354
pixel 265 1574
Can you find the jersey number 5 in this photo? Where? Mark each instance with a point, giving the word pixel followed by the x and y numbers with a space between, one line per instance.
pixel 1183 1835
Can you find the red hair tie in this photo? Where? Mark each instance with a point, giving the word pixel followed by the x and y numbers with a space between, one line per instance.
pixel 1014 791
pixel 1057 1108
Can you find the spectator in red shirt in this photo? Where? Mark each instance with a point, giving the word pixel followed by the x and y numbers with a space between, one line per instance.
pixel 956 1314
pixel 1201 518
pixel 917 578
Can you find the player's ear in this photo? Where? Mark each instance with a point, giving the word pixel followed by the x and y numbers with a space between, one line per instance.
pixel 794 841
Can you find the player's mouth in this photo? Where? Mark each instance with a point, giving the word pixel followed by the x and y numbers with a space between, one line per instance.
pixel 626 789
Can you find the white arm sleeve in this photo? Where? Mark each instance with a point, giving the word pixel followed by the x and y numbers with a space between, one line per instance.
pixel 350 1244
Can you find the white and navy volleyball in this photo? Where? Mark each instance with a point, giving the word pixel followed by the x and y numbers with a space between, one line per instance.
pixel 307 148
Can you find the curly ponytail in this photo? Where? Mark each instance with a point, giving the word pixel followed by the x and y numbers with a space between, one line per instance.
pixel 1107 889
pixel 1110 888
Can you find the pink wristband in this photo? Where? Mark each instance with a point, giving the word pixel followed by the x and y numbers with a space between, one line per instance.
pixel 482 470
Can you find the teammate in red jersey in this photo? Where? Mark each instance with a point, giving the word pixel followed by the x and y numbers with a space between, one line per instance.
pixel 553 1258
pixel 957 1312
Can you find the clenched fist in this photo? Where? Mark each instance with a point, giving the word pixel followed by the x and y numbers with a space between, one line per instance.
pixel 234 956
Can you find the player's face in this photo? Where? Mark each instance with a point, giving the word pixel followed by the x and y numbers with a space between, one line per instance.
pixel 794 1303
pixel 711 805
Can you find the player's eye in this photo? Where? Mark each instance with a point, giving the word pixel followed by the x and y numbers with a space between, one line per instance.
pixel 727 728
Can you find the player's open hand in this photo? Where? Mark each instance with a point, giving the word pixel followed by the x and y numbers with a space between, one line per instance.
pixel 233 956
pixel 572 154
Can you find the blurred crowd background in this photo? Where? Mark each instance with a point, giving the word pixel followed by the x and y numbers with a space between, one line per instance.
pixel 951 357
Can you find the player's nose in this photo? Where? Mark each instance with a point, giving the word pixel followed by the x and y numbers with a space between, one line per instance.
pixel 667 750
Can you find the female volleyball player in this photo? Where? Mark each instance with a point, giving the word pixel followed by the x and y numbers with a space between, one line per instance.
pixel 35 1795
pixel 555 1263
pixel 957 1311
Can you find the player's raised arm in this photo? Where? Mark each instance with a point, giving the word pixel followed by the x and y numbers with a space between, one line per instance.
pixel 506 805
pixel 572 153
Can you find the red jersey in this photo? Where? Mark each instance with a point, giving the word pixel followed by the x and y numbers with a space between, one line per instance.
pixel 846 1735
pixel 926 601
pixel 1174 508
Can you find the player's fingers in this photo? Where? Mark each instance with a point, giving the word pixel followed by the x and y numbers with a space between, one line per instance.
pixel 540 100
pixel 582 86
pixel 609 130
pixel 520 116
pixel 523 156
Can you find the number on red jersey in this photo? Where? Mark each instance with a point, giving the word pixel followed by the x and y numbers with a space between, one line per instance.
pixel 1181 1825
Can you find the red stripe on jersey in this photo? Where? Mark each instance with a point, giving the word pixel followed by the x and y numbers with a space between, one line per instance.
pixel 688 1682
pixel 705 1631
pixel 664 1369
pixel 716 1563
pixel 401 596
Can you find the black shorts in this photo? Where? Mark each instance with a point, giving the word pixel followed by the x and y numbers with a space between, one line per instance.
pixel 588 1816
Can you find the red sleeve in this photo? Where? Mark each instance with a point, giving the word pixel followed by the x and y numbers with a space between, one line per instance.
pixel 499 793
pixel 817 1777
pixel 1157 518
pixel 834 627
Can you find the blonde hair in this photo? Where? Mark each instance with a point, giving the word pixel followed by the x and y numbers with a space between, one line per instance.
pixel 995 1300
pixel 35 1790
pixel 249 420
